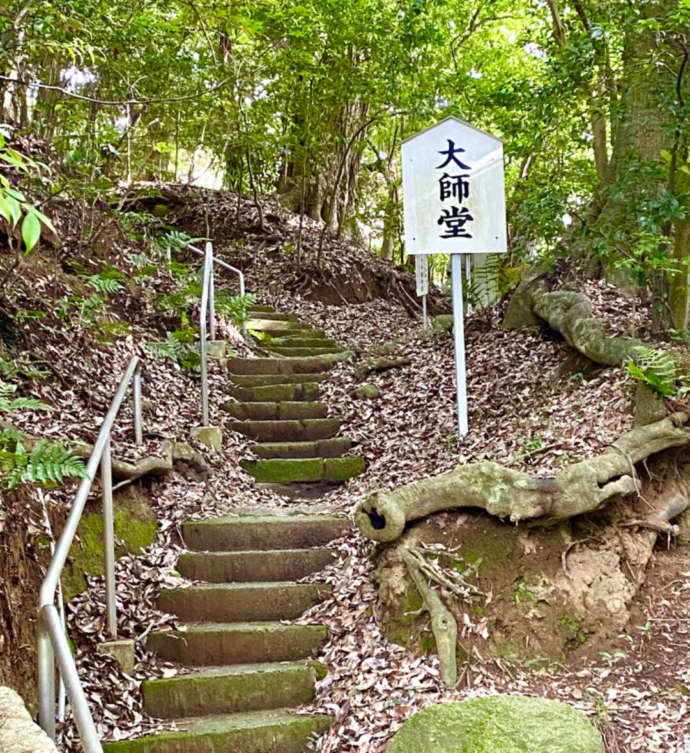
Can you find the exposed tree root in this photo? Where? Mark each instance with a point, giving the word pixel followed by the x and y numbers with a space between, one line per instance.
pixel 443 624
pixel 570 313
pixel 173 455
pixel 505 493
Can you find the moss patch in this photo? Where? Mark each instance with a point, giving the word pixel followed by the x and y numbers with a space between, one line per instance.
pixel 498 724
pixel 135 529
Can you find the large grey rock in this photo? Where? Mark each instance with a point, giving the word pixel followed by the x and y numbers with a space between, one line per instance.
pixel 498 724
pixel 18 732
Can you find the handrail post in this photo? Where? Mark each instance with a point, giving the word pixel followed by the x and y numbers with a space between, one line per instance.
pixel 109 539
pixel 138 429
pixel 203 315
pixel 211 294
pixel 46 680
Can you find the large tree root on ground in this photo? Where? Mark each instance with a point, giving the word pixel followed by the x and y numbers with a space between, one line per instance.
pixel 570 313
pixel 443 624
pixel 505 493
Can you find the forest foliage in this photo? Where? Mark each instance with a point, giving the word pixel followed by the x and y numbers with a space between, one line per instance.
pixel 310 100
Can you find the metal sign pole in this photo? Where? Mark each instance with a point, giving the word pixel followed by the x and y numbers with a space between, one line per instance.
pixel 459 329
pixel 424 314
pixel 468 279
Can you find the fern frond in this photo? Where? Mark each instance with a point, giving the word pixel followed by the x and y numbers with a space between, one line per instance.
pixel 46 464
pixel 654 367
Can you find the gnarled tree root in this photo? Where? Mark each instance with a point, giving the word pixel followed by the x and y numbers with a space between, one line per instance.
pixel 443 624
pixel 570 313
pixel 505 493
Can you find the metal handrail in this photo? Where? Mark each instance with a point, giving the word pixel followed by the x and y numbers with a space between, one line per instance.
pixel 207 295
pixel 223 264
pixel 52 638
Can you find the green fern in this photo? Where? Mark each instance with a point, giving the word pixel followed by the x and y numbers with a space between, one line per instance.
pixel 655 368
pixel 234 307
pixel 178 346
pixel 46 464
pixel 108 280
pixel 10 405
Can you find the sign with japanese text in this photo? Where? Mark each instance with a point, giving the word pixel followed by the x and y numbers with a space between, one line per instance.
pixel 422 274
pixel 453 191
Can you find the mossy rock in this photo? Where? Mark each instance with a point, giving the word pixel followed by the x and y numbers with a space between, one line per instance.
pixel 135 529
pixel 366 391
pixel 442 323
pixel 498 724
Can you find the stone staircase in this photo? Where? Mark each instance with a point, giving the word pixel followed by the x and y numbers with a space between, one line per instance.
pixel 248 664
pixel 277 405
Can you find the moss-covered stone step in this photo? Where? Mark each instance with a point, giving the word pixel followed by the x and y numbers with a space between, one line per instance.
pixel 294 341
pixel 277 392
pixel 307 365
pixel 248 732
pixel 242 602
pixel 276 565
pixel 263 532
pixel 211 644
pixel 273 316
pixel 267 411
pixel 303 470
pixel 281 431
pixel 262 380
pixel 321 448
pixel 224 690
pixel 256 308
pixel 299 352
pixel 262 324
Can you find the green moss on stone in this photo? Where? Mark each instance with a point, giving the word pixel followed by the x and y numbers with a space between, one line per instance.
pixel 285 470
pixel 498 724
pixel 341 469
pixel 135 529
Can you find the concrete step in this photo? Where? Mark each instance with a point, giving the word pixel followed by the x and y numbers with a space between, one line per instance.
pixel 304 470
pixel 298 352
pixel 265 566
pixel 210 644
pixel 249 732
pixel 263 532
pixel 304 430
pixel 242 602
pixel 307 365
pixel 224 690
pixel 321 448
pixel 262 380
pixel 286 392
pixel 276 411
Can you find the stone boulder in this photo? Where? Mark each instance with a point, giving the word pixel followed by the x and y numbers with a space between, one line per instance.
pixel 498 724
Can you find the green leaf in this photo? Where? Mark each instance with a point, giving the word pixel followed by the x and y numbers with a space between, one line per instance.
pixel 5 210
pixel 31 231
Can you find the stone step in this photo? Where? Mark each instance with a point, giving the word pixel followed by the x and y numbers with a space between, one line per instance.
pixel 307 365
pixel 256 308
pixel 304 430
pixel 242 602
pixel 303 342
pixel 224 690
pixel 321 448
pixel 265 566
pixel 276 731
pixel 304 470
pixel 262 324
pixel 262 380
pixel 263 532
pixel 210 644
pixel 285 392
pixel 272 411
pixel 273 316
pixel 298 352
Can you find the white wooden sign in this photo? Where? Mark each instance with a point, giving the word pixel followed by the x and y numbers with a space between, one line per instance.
pixel 422 274
pixel 454 203
pixel 453 191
